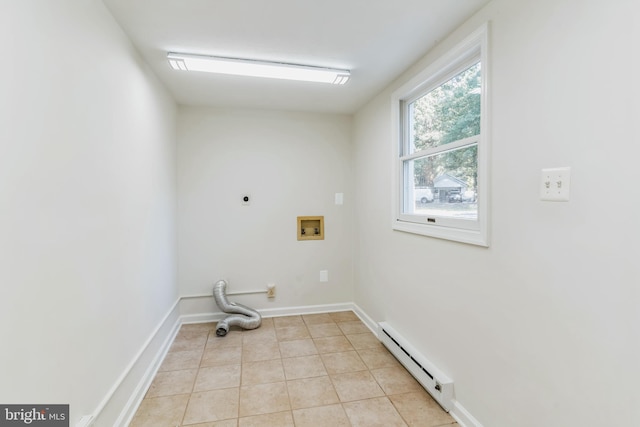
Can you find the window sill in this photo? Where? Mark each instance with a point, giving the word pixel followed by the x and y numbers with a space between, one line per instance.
pixel 471 237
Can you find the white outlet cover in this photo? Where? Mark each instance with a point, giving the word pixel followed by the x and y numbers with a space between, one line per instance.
pixel 324 275
pixel 555 184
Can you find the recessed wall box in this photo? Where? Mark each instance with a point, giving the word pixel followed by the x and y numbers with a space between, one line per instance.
pixel 310 228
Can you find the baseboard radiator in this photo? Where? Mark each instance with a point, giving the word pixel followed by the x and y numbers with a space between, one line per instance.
pixel 435 382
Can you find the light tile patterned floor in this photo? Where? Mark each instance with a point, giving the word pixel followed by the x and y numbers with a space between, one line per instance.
pixel 305 371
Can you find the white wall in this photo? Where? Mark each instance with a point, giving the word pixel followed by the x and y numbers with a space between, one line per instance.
pixel 87 204
pixel 540 329
pixel 291 164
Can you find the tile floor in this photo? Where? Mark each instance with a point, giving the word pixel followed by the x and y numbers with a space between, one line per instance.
pixel 304 371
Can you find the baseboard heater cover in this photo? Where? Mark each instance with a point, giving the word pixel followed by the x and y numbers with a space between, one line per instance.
pixel 432 379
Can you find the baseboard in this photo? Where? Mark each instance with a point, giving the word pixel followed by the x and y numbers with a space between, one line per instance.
pixel 307 309
pixel 200 318
pixel 371 324
pixel 187 317
pixel 123 399
pixel 462 416
pixel 458 412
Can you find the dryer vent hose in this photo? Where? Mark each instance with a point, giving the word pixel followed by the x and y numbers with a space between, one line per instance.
pixel 243 316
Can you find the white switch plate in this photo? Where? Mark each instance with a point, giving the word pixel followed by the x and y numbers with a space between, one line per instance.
pixel 324 275
pixel 555 184
pixel 339 198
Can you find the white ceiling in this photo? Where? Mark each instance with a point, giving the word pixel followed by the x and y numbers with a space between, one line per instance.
pixel 375 39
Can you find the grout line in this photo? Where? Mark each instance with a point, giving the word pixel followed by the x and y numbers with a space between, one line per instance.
pixel 286 381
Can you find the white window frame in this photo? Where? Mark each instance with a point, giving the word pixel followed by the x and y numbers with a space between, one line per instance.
pixel 464 54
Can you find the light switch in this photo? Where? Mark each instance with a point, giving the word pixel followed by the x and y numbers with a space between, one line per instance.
pixel 339 198
pixel 555 184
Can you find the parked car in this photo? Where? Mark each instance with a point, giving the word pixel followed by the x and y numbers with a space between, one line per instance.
pixel 423 195
pixel 469 196
pixel 454 197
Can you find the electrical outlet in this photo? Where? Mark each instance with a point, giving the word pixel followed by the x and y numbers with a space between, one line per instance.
pixel 555 184
pixel 324 275
pixel 271 290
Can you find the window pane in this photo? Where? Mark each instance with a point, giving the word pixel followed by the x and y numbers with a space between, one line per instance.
pixel 443 185
pixel 448 113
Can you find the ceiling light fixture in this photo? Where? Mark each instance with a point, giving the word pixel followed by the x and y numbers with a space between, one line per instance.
pixel 250 67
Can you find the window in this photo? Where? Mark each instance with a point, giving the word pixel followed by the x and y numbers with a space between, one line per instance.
pixel 441 147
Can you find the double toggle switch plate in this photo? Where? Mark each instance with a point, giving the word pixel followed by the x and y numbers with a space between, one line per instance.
pixel 555 184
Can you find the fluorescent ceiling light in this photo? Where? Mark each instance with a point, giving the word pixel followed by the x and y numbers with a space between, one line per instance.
pixel 249 67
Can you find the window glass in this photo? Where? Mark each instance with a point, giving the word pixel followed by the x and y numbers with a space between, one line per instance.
pixel 444 184
pixel 448 113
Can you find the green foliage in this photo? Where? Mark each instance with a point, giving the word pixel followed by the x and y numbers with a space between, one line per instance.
pixel 448 113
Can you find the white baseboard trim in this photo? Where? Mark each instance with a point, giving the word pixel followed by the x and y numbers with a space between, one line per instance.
pixel 200 318
pixel 126 416
pixel 307 309
pixel 271 312
pixel 371 324
pixel 462 416
pixel 119 405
